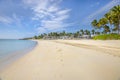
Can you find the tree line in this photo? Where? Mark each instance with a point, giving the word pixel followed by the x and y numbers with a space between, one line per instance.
pixel 110 22
pixel 76 34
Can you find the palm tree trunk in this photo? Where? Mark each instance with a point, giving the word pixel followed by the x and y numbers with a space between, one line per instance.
pixel 118 30
pixel 111 28
pixel 118 24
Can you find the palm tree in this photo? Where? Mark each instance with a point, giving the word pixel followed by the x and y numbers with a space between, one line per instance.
pixel 78 33
pixel 108 16
pixel 115 11
pixel 94 23
pixel 86 32
pixel 75 35
pixel 106 29
pixel 103 22
pixel 93 31
pixel 63 33
pixel 82 32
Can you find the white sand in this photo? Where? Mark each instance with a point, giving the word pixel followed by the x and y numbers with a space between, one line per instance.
pixel 60 61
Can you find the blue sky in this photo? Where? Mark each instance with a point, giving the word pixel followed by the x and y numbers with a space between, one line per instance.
pixel 26 18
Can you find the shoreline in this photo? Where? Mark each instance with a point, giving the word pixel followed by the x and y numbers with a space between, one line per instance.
pixel 51 60
pixel 11 58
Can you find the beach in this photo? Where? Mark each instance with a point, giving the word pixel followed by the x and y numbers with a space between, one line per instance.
pixel 67 60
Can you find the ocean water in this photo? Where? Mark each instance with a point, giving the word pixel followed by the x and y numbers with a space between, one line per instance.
pixel 10 50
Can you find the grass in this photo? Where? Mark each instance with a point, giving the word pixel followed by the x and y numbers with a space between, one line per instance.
pixel 107 37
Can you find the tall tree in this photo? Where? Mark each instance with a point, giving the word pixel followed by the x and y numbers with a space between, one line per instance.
pixel 106 29
pixel 94 23
pixel 78 33
pixel 115 11
pixel 87 32
pixel 82 32
pixel 93 31
pixel 103 22
pixel 108 16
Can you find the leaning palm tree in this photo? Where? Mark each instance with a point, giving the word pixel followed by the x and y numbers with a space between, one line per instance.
pixel 94 23
pixel 106 29
pixel 108 16
pixel 103 22
pixel 115 11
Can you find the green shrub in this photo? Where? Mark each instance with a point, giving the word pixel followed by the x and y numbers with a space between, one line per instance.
pixel 107 37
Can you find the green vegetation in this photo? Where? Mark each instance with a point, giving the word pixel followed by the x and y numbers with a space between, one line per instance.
pixel 26 38
pixel 67 35
pixel 110 24
pixel 105 28
pixel 107 37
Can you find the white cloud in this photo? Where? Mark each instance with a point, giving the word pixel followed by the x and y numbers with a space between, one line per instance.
pixel 102 10
pixel 5 19
pixel 52 9
pixel 63 12
pixel 48 13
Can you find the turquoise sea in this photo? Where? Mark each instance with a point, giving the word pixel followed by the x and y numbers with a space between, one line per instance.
pixel 11 49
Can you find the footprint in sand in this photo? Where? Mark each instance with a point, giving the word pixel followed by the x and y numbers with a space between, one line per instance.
pixel 61 60
pixel 59 50
pixel 56 47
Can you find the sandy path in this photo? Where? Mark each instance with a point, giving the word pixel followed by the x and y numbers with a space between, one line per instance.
pixel 55 61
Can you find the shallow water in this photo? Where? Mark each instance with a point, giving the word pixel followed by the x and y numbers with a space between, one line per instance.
pixel 11 50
